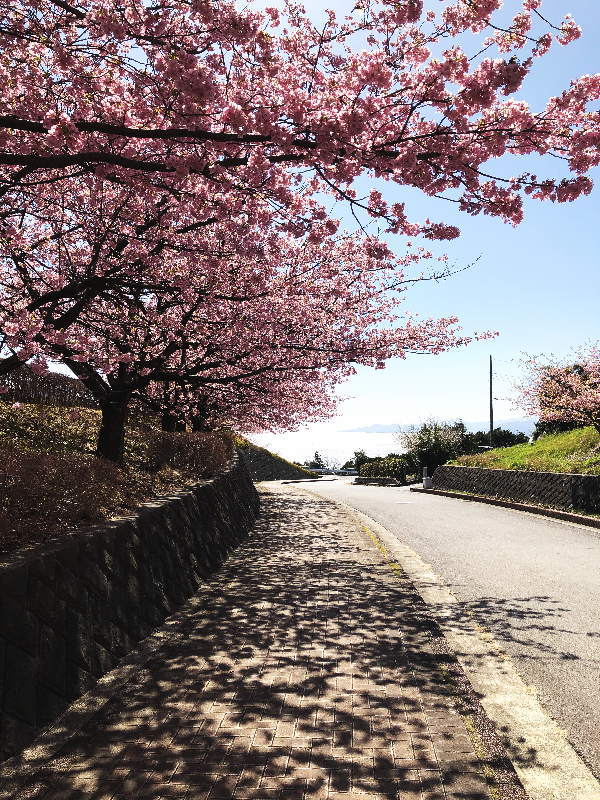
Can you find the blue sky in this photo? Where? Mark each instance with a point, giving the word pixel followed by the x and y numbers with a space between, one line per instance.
pixel 538 284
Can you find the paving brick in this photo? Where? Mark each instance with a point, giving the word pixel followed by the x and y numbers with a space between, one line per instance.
pixel 290 679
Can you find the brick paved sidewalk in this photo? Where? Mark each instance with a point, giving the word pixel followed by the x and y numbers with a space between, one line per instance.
pixel 303 672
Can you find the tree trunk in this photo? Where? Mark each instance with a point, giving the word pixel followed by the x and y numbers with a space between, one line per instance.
pixel 111 438
pixel 9 363
pixel 200 418
pixel 170 423
pixel 200 424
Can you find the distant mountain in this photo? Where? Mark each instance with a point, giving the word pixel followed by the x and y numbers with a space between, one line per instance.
pixel 378 429
pixel 522 425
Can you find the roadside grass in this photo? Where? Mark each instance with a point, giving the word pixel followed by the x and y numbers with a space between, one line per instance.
pixel 242 442
pixel 576 451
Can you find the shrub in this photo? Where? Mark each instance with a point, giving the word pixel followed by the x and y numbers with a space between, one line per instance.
pixel 200 454
pixel 390 467
pixel 48 428
pixel 433 444
pixel 43 494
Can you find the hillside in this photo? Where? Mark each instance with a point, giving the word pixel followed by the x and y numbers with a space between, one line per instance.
pixel 266 466
pixel 574 451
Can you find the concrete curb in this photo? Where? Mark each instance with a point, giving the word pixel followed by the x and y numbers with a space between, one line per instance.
pixel 566 516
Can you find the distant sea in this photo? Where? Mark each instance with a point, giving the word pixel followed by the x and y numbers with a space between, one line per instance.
pixel 333 445
pixel 338 446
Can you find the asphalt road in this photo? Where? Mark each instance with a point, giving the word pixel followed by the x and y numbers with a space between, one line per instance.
pixel 532 581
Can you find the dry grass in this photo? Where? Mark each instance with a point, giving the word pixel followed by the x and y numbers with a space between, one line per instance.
pixel 51 483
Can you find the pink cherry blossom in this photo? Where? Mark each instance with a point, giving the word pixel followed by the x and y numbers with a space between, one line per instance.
pixel 567 391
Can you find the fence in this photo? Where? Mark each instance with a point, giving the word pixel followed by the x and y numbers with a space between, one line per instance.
pixel 23 386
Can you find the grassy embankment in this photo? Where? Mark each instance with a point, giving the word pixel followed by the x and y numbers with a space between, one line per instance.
pixel 264 465
pixel 574 451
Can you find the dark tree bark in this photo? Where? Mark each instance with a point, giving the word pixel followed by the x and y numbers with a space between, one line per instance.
pixel 170 423
pixel 199 424
pixel 200 419
pixel 111 438
pixel 9 363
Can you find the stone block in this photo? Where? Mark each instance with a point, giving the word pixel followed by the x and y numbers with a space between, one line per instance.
pixel 69 557
pixel 68 587
pixel 138 632
pixel 90 546
pixel 133 592
pixel 113 565
pixel 43 568
pixel 3 647
pixel 13 582
pixel 44 604
pixel 131 554
pixel 49 705
pixel 20 678
pixel 119 609
pixel 117 643
pixel 78 638
pixel 154 614
pixel 91 574
pixel 52 660
pixel 101 660
pixel 585 493
pixel 78 680
pixel 145 576
pixel 18 625
pixel 14 735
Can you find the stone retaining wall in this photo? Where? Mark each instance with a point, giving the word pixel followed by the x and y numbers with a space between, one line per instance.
pixel 564 491
pixel 72 608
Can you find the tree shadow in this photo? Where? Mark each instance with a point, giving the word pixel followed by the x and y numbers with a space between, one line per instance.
pixel 531 623
pixel 309 669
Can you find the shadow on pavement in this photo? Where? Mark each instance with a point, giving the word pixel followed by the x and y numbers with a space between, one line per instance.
pixel 308 670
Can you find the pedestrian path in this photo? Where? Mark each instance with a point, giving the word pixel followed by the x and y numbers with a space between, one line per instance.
pixel 301 670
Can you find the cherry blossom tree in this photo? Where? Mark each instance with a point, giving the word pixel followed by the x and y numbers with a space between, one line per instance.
pixel 163 170
pixel 565 392
pixel 260 326
pixel 270 108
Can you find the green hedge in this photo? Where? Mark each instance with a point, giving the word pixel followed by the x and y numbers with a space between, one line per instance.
pixel 390 467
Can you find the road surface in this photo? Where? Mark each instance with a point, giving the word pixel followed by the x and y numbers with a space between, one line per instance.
pixel 532 581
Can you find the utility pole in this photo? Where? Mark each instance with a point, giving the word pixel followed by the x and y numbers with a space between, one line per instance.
pixel 491 408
